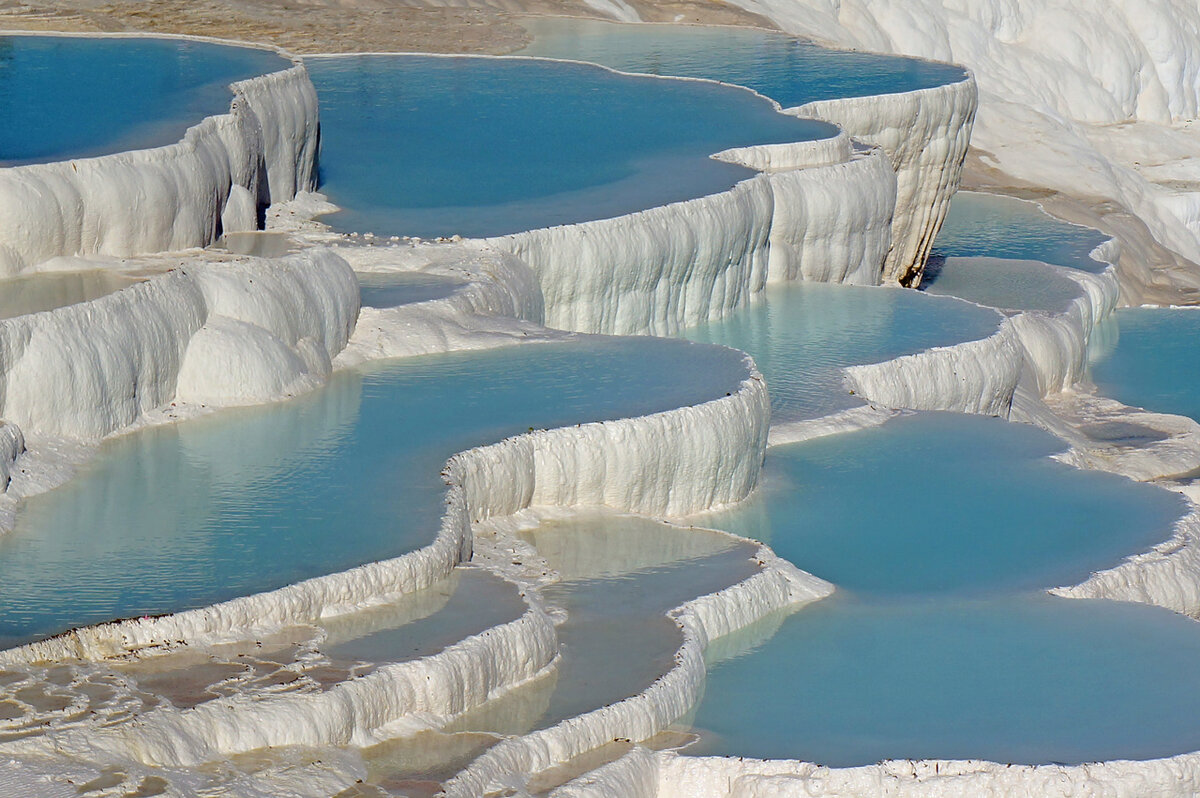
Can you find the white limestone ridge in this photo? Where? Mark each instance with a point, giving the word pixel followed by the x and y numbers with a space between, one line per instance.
pixel 1093 98
pixel 173 197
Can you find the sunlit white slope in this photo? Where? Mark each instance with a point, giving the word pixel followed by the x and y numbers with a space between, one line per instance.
pixel 1060 82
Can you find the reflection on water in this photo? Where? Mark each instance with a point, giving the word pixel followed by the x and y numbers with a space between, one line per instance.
pixel 802 335
pixel 35 293
pixel 1150 358
pixel 251 499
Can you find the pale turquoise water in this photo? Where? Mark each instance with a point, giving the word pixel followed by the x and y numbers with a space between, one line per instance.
pixel 1152 360
pixel 617 639
pixel 34 293
pixel 992 226
pixel 789 71
pixel 937 530
pixel 73 97
pixel 429 146
pixel 940 503
pixel 803 334
pixel 1028 680
pixel 384 290
pixel 422 624
pixel 1001 283
pixel 248 500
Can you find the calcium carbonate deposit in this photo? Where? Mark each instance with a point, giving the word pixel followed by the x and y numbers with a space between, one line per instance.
pixel 337 456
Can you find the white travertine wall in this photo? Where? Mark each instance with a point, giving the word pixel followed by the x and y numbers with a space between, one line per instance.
pixel 90 369
pixel 1093 98
pixel 926 134
pixel 172 197
pixel 661 270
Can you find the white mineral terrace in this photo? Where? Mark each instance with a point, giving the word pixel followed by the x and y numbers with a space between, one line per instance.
pixel 199 330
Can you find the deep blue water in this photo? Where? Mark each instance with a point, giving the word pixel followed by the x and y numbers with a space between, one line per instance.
pixel 788 71
pixel 1153 362
pixel 992 226
pixel 430 146
pixel 802 335
pixel 247 500
pixel 75 97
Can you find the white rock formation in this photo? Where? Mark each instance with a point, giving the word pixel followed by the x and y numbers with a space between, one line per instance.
pixel 663 269
pixel 925 134
pixel 172 197
pixel 87 370
pixel 1093 99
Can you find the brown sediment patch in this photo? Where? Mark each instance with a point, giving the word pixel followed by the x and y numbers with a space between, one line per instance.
pixel 336 26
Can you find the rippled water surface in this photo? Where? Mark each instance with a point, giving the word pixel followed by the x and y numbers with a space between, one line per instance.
pixel 75 97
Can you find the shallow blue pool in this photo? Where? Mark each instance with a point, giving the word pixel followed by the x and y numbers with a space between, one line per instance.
pixel 939 503
pixel 992 226
pixel 1001 283
pixel 248 500
pixel 788 71
pixel 74 97
pixel 1151 360
pixel 1028 680
pixel 803 334
pixel 431 146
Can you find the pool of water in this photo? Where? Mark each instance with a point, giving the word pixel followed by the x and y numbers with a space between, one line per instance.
pixel 802 336
pixel 74 97
pixel 621 574
pixel 1150 358
pixel 988 225
pixel 421 624
pixel 430 146
pixel 184 515
pixel 790 71
pixel 1001 283
pixel 389 290
pixel 35 293
pixel 939 503
pixel 1028 680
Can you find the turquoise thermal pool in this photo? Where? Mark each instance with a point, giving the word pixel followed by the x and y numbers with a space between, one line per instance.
pixel 188 514
pixel 383 290
pixel 1153 362
pixel 938 503
pixel 802 335
pixel 789 71
pixel 1001 283
pixel 1028 680
pixel 430 146
pixel 620 575
pixel 57 92
pixel 988 225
